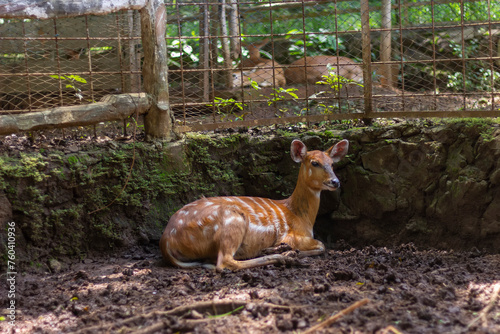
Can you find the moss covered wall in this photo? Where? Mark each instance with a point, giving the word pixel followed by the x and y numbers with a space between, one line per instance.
pixel 400 183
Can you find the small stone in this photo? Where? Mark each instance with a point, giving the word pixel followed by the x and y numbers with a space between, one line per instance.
pixel 73 148
pixel 55 266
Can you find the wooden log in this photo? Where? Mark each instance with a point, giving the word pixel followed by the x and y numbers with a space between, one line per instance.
pixel 47 9
pixel 110 108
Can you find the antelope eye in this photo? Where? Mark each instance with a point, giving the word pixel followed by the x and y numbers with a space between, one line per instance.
pixel 315 163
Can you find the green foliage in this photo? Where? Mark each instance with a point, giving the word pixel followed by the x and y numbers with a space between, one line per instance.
pixel 227 107
pixel 28 166
pixel 479 75
pixel 210 176
pixel 279 95
pixel 452 12
pixel 336 82
pixel 71 82
pixel 478 78
pixel 479 126
pixel 320 43
pixel 182 51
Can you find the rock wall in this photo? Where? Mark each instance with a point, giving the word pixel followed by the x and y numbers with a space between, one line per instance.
pixel 433 185
pixel 437 185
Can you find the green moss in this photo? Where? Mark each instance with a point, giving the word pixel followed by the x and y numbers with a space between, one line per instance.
pixel 209 170
pixel 27 166
pixel 329 134
pixel 482 127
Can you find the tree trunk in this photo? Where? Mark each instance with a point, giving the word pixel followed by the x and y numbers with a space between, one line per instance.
pixel 158 121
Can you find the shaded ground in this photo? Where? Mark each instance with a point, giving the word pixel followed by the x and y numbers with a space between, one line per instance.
pixel 416 291
pixel 320 99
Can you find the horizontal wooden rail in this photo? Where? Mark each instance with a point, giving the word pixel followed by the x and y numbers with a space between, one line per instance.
pixel 330 117
pixel 48 9
pixel 110 108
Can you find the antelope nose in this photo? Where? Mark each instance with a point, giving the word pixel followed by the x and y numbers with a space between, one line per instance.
pixel 335 183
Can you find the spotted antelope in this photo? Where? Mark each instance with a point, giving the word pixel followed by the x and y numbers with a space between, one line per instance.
pixel 232 231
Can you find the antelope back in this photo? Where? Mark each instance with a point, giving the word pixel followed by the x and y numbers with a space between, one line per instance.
pixel 311 69
pixel 262 73
pixel 254 54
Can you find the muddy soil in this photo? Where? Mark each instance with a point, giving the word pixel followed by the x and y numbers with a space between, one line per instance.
pixel 413 290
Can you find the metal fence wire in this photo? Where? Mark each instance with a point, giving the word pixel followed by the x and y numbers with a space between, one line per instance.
pixel 68 61
pixel 234 62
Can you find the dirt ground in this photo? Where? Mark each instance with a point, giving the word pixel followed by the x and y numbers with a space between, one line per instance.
pixel 412 290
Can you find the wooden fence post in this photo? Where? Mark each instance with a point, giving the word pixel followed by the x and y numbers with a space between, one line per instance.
pixel 367 61
pixel 385 45
pixel 159 119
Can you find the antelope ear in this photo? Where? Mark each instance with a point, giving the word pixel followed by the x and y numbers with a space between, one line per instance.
pixel 298 150
pixel 338 151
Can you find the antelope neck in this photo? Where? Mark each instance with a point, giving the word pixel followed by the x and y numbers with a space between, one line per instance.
pixel 304 201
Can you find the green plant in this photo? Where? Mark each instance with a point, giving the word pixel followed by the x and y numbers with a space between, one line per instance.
pixel 320 43
pixel 71 82
pixel 226 107
pixel 478 77
pixel 280 94
pixel 336 82
pixel 180 51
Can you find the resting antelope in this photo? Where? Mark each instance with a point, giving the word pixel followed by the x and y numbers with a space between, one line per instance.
pixel 311 69
pixel 265 72
pixel 231 231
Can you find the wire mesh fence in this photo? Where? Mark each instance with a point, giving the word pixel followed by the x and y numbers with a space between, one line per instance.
pixel 236 62
pixel 306 58
pixel 67 61
pixel 261 60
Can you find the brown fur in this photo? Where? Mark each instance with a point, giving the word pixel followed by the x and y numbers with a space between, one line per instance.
pixel 232 231
pixel 311 69
pixel 265 72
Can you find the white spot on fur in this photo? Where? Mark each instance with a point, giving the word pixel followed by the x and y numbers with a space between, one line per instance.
pixel 267 203
pixel 259 228
pixel 200 223
pixel 310 172
pixel 316 194
pixel 173 231
pixel 180 222
pixel 216 227
pixel 232 220
pixel 253 217
pixel 285 232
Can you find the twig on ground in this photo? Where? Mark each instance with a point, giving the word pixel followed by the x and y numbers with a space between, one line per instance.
pixel 389 329
pixel 211 307
pixel 337 316
pixel 482 315
pixel 153 328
